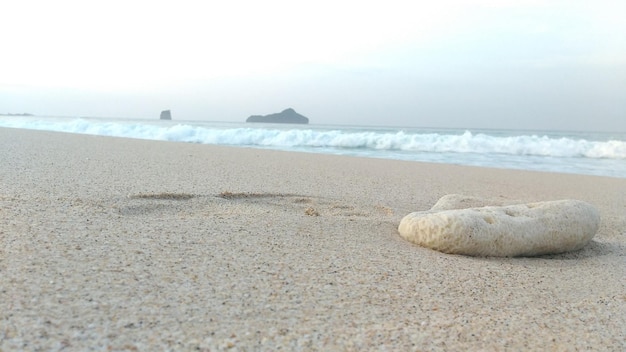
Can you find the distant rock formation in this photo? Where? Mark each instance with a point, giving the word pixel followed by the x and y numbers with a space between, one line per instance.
pixel 22 114
pixel 286 116
pixel 166 115
pixel 503 231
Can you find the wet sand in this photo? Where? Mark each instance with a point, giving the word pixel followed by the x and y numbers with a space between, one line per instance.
pixel 120 244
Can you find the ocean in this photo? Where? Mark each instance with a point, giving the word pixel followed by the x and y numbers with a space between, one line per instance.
pixel 587 153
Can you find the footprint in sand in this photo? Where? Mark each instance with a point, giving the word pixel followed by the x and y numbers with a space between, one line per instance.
pixel 163 203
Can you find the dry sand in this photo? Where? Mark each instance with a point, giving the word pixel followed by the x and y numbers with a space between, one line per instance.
pixel 119 244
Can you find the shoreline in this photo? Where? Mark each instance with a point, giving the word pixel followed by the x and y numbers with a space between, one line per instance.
pixel 561 152
pixel 115 243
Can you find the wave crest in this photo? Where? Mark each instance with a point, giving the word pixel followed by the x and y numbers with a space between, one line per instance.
pixel 466 142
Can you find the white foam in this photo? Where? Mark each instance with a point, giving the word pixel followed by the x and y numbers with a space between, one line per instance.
pixel 497 149
pixel 466 142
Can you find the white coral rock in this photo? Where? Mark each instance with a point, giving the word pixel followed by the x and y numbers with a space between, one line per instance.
pixel 505 231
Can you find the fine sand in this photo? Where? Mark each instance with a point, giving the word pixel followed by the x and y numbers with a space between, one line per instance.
pixel 116 244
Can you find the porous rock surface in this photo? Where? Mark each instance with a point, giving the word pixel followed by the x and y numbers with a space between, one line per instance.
pixel 505 231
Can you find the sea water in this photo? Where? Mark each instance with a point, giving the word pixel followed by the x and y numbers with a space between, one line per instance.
pixel 591 153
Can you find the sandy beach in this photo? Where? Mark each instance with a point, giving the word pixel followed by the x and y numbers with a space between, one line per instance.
pixel 113 244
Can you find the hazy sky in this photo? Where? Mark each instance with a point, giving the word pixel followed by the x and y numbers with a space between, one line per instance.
pixel 528 64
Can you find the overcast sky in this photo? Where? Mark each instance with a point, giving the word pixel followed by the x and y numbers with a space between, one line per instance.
pixel 527 64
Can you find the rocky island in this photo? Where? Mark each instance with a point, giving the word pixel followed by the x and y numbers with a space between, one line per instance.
pixel 166 115
pixel 285 116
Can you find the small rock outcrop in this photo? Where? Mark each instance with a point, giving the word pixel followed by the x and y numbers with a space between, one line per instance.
pixel 504 231
pixel 166 115
pixel 285 116
pixel 18 114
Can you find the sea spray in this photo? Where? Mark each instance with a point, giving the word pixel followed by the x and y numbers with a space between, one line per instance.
pixel 574 152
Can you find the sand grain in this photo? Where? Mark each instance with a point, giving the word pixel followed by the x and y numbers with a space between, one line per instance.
pixel 84 266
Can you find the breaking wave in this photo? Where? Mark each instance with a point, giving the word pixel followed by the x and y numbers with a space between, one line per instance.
pixel 340 138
